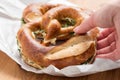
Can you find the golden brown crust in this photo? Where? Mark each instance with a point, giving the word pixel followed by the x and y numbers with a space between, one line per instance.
pixel 36 10
pixel 36 53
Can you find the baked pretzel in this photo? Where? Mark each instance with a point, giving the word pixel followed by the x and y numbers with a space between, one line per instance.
pixel 36 10
pixel 75 50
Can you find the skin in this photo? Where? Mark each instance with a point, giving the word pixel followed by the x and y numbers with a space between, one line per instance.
pixel 108 41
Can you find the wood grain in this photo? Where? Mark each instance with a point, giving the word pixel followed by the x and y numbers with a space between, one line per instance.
pixel 10 70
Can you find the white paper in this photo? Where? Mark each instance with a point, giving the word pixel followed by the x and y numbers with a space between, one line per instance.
pixel 10 22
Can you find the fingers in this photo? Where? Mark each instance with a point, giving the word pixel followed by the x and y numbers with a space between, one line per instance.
pixel 103 34
pixel 85 26
pixel 114 55
pixel 107 49
pixel 106 41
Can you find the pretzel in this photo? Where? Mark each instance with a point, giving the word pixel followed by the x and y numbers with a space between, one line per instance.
pixel 70 49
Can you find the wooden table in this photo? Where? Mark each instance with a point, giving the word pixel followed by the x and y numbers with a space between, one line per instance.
pixel 9 70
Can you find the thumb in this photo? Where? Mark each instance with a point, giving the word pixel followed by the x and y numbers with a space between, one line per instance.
pixel 85 26
pixel 101 18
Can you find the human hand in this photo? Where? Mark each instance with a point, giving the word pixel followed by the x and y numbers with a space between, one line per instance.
pixel 108 17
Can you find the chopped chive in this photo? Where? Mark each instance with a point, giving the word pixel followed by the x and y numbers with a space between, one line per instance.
pixel 23 21
pixel 67 22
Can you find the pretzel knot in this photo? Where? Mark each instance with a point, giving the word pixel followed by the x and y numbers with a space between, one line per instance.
pixel 48 37
pixel 60 22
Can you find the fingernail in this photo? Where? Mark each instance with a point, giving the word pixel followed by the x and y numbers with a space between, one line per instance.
pixel 76 30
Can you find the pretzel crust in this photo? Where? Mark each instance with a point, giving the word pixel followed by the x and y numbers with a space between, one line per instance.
pixel 36 10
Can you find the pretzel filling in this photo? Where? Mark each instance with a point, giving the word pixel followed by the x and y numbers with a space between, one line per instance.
pixel 49 39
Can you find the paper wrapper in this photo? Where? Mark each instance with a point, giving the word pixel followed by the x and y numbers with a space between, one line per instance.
pixel 10 22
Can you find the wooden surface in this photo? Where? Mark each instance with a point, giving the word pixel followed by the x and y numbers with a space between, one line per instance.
pixel 9 70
